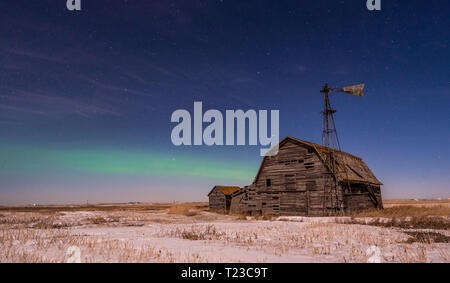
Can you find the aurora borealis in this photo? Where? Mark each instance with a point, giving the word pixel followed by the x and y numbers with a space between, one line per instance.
pixel 41 160
pixel 86 96
pixel 102 163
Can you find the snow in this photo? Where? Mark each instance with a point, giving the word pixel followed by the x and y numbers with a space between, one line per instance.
pixel 156 236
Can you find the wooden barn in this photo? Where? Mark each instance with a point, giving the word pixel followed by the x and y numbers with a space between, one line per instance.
pixel 297 181
pixel 220 198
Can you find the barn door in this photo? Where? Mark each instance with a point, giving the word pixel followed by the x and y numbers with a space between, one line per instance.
pixel 293 197
pixel 293 203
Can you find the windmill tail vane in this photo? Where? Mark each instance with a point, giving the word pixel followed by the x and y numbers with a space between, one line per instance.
pixel 357 90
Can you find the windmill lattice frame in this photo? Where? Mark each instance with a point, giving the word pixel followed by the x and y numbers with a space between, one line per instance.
pixel 333 198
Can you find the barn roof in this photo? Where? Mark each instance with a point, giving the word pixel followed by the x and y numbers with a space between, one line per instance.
pixel 351 168
pixel 226 190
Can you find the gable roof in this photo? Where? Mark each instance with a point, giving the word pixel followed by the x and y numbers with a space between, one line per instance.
pixel 351 168
pixel 226 190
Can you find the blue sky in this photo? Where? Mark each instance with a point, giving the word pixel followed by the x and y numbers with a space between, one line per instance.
pixel 86 97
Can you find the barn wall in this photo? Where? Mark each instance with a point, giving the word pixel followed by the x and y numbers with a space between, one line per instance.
pixel 300 184
pixel 238 203
pixel 297 178
pixel 217 201
pixel 227 202
pixel 377 190
pixel 245 201
pixel 362 197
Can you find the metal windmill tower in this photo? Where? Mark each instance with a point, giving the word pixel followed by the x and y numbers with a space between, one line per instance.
pixel 330 139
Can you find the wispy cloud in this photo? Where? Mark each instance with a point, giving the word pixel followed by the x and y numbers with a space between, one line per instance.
pixel 21 109
pixel 122 89
pixel 36 103
pixel 35 55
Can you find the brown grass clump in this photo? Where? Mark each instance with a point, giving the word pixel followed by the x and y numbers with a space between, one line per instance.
pixel 407 255
pixel 190 213
pixel 407 216
pixel 267 216
pixel 202 233
pixel 419 203
pixel 424 222
pixel 242 217
pixel 98 220
pixel 182 209
pixel 405 211
pixel 239 216
pixel 427 237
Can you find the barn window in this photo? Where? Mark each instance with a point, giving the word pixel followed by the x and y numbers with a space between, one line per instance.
pixel 293 161
pixel 268 183
pixel 309 165
pixel 310 150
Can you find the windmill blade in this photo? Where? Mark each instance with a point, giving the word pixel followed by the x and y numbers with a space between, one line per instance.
pixel 355 90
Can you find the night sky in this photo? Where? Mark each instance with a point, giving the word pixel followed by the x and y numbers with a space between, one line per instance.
pixel 86 97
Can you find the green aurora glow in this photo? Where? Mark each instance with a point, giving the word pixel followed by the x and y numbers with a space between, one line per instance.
pixel 25 159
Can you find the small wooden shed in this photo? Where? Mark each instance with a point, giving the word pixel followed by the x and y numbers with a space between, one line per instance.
pixel 220 197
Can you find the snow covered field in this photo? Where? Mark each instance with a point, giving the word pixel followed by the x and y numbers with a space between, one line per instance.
pixel 159 236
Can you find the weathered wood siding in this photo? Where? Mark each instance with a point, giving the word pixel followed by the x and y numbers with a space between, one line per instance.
pixel 217 201
pixel 297 179
pixel 362 197
pixel 300 184
pixel 238 203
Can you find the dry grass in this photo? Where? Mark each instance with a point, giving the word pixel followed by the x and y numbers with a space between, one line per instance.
pixel 51 209
pixel 420 223
pixel 407 255
pixel 242 216
pixel 51 246
pixel 98 220
pixel 265 216
pixel 317 239
pixel 425 222
pixel 405 211
pixel 314 240
pixel 207 233
pixel 405 214
pixel 167 235
pixel 418 203
pixel 427 237
pixel 183 209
